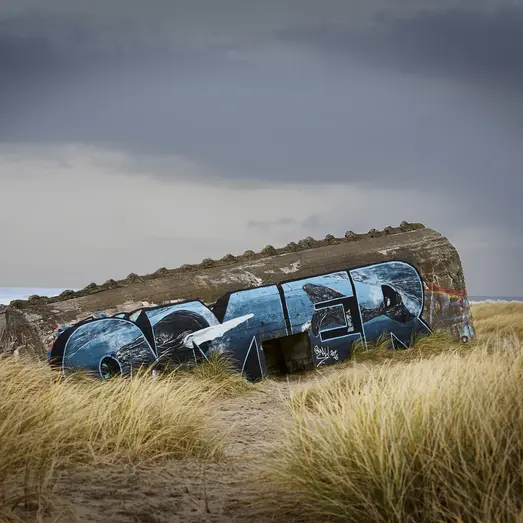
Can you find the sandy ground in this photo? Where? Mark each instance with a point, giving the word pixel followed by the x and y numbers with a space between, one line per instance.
pixel 222 491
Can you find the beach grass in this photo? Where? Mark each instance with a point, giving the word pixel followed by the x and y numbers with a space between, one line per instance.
pixel 432 438
pixel 431 433
pixel 47 423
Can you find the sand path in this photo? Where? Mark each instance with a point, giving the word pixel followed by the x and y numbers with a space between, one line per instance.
pixel 217 492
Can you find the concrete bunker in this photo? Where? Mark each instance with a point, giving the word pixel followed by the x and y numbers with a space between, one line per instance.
pixel 258 307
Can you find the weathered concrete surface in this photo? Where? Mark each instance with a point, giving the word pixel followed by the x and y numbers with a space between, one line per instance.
pixel 432 254
pixel 2 326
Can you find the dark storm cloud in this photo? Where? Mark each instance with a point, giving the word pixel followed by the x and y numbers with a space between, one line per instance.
pixel 346 116
pixel 56 88
pixel 382 95
pixel 471 44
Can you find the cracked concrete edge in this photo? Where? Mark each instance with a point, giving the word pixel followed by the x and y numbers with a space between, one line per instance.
pixel 227 260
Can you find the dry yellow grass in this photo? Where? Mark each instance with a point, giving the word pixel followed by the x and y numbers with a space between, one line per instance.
pixel 498 319
pixel 219 371
pixel 424 346
pixel 439 438
pixel 492 321
pixel 432 433
pixel 47 422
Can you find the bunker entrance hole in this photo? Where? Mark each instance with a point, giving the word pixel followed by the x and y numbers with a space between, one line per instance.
pixel 288 354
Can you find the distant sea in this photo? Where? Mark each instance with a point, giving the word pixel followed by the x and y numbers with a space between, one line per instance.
pixel 483 299
pixel 7 294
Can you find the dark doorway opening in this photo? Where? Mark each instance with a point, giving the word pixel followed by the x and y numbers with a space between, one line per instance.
pixel 288 354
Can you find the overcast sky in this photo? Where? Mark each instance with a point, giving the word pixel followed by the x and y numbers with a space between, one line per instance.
pixel 141 134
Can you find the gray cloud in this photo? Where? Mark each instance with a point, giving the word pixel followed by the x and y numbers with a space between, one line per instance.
pixel 268 224
pixel 473 44
pixel 199 102
pixel 312 222
pixel 418 99
pixel 75 215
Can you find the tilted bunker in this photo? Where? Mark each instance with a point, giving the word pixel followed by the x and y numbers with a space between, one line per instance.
pixel 286 309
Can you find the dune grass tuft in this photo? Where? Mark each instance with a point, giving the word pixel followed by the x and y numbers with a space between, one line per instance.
pixel 219 372
pixel 439 439
pixel 493 322
pixel 425 345
pixel 498 319
pixel 46 422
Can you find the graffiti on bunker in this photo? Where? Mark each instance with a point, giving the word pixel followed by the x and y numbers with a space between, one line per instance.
pixel 326 307
pixel 330 311
pixel 451 307
pixel 390 297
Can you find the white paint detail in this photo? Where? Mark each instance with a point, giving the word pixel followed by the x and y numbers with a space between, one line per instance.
pixel 250 266
pixel 293 267
pixel 203 354
pixel 395 339
pixel 240 277
pixel 324 354
pixel 259 359
pixel 247 355
pixel 306 326
pixel 214 331
pixel 251 278
pixel 203 278
pixel 146 304
pixel 254 342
